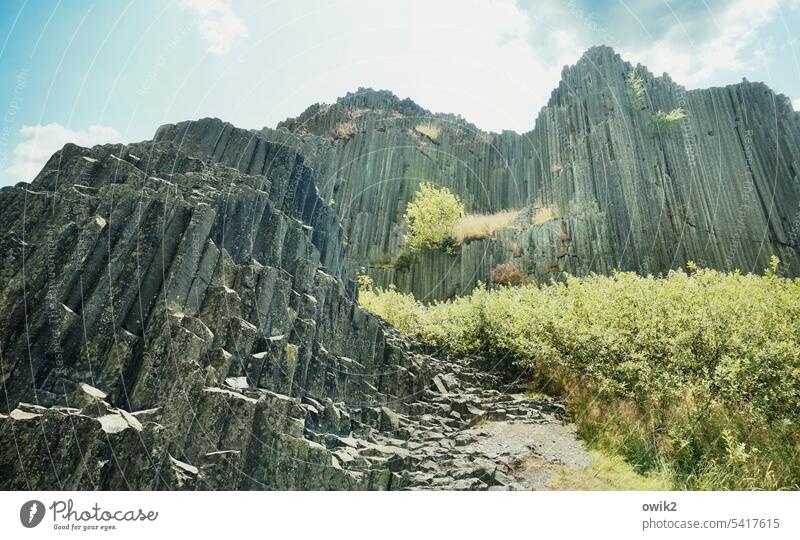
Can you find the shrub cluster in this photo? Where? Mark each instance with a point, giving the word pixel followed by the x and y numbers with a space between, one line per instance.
pixel 344 130
pixel 695 375
pixel 635 89
pixel 431 131
pixel 431 217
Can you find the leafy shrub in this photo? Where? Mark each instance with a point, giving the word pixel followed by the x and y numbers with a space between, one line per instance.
pixel 483 226
pixel 364 282
pixel 401 262
pixel 635 90
pixel 404 260
pixel 431 217
pixel 662 122
pixel 695 375
pixel 431 131
pixel 399 309
pixel 508 274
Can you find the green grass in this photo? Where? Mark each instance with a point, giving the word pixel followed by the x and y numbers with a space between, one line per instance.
pixel 694 376
pixel 606 473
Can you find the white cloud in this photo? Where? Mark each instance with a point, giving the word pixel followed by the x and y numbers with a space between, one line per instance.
pixel 40 142
pixel 477 58
pixel 694 62
pixel 217 23
pixel 796 104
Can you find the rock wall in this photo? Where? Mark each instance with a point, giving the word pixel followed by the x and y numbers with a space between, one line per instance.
pixel 179 313
pixel 168 321
pixel 720 188
pixel 600 189
pixel 370 153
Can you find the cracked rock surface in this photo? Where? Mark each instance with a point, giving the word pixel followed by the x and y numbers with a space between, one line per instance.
pixel 175 322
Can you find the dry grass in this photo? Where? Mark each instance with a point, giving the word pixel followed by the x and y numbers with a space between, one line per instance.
pixel 431 131
pixel 482 226
pixel 558 167
pixel 545 214
pixel 344 130
pixel 508 274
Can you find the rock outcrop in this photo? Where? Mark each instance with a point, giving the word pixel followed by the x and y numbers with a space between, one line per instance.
pixel 180 314
pixel 177 317
pixel 600 190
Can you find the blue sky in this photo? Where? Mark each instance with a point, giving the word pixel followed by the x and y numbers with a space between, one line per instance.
pixel 96 71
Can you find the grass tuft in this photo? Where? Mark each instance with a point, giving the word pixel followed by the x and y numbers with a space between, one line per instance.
pixel 483 226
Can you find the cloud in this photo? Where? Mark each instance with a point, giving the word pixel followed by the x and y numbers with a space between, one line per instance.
pixel 692 41
pixel 217 23
pixel 796 104
pixel 478 58
pixel 40 142
pixel 735 32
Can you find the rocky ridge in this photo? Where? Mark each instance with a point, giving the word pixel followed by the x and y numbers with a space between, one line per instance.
pixel 600 191
pixel 180 314
pixel 176 317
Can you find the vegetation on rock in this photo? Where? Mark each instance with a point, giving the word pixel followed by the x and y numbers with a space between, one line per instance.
pixel 635 89
pixel 344 130
pixel 483 226
pixel 662 122
pixel 431 217
pixel 508 274
pixel 545 214
pixel 431 131
pixel 695 375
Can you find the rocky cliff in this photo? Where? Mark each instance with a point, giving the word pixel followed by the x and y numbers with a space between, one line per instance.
pixel 601 190
pixel 179 313
pixel 162 314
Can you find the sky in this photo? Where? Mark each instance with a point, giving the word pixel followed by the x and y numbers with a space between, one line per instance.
pixel 93 72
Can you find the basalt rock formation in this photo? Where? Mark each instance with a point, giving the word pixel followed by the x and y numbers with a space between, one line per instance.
pixel 158 310
pixel 600 190
pixel 172 321
pixel 180 313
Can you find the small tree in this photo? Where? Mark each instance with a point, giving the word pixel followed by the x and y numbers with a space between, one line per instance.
pixel 431 217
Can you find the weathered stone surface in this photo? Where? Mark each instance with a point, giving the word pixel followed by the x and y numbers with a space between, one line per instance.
pixel 179 313
pixel 721 188
pixel 141 278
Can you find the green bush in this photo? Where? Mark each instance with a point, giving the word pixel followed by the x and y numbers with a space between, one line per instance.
pixel 695 375
pixel 431 217
pixel 662 122
pixel 404 260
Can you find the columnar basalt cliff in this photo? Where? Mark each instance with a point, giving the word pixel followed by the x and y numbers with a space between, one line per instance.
pixel 180 313
pixel 160 311
pixel 721 187
pixel 600 190
pixel 177 315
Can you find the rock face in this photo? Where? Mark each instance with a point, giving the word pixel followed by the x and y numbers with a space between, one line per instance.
pixel 179 313
pixel 175 316
pixel 159 311
pixel 721 187
pixel 600 190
